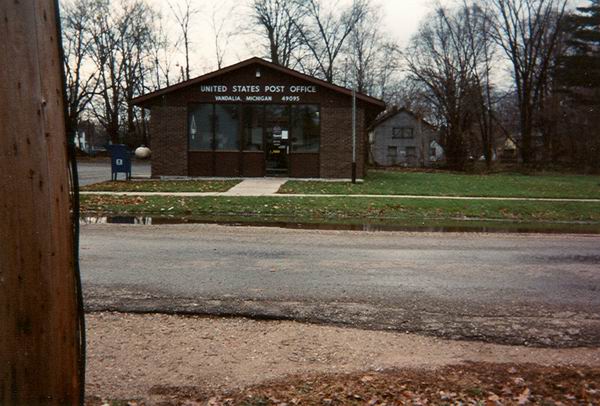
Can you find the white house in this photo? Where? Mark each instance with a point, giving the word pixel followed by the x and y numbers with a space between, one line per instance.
pixel 402 138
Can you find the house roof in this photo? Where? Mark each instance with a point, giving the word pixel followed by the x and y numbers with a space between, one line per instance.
pixel 395 111
pixel 144 99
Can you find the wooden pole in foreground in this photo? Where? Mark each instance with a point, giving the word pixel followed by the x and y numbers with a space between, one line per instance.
pixel 39 336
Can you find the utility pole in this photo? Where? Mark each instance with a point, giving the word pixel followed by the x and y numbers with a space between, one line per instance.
pixel 40 337
pixel 353 134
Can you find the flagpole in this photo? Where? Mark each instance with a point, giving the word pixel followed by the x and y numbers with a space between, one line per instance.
pixel 353 135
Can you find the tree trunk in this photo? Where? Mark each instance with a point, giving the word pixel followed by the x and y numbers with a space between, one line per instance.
pixel 145 139
pixel 455 148
pixel 273 48
pixel 526 132
pixel 39 334
pixel 187 55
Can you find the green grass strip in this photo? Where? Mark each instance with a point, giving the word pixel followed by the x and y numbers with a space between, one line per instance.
pixel 162 186
pixel 451 184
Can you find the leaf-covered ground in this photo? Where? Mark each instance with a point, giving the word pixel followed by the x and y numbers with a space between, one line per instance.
pixel 162 186
pixel 325 209
pixel 456 184
pixel 470 384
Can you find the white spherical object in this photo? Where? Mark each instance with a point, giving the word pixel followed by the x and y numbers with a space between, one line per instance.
pixel 142 152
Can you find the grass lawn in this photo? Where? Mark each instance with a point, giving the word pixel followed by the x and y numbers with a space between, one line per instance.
pixel 451 184
pixel 163 186
pixel 322 209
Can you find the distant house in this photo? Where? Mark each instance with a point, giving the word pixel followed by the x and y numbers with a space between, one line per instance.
pixel 90 138
pixel 400 137
pixel 508 151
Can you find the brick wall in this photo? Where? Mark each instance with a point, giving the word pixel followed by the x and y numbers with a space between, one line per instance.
pixel 169 144
pixel 168 128
pixel 336 142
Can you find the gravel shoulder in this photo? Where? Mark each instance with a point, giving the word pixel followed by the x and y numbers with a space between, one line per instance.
pixel 151 357
pixel 517 324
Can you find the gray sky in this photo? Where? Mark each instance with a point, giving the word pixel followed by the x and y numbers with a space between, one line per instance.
pixel 400 19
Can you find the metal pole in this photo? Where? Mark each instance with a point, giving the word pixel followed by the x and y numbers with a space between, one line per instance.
pixel 353 135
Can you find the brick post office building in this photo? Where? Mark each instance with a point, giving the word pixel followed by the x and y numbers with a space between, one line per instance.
pixel 256 119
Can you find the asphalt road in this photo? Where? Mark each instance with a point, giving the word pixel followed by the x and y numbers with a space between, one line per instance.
pixel 541 290
pixel 98 170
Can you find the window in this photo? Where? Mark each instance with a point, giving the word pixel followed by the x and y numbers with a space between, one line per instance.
pixel 214 126
pixel 411 152
pixel 306 128
pixel 200 127
pixel 392 152
pixel 231 127
pixel 402 133
pixel 227 121
pixel 253 119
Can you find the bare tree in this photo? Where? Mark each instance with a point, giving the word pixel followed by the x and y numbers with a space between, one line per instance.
pixel 442 61
pixel 135 46
pixel 528 32
pixel 105 34
pixel 374 59
pixel 480 42
pixel 280 20
pixel 221 15
pixel 122 41
pixel 162 51
pixel 184 13
pixel 79 72
pixel 324 32
pixel 365 42
pixel 412 95
pixel 387 69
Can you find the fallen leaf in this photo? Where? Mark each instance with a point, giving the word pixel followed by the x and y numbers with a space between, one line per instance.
pixel 524 397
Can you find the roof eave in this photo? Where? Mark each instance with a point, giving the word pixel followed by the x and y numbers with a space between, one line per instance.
pixel 145 100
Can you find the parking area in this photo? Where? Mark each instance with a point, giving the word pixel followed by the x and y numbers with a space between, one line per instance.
pixel 98 170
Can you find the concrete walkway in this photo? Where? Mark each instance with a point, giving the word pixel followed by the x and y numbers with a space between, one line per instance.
pixel 256 187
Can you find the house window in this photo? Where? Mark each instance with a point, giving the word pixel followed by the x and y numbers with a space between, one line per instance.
pixel 411 152
pixel 392 152
pixel 403 133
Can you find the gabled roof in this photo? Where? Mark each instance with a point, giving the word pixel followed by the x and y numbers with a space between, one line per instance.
pixel 255 60
pixel 395 111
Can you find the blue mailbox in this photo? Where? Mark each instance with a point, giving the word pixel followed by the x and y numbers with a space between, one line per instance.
pixel 120 161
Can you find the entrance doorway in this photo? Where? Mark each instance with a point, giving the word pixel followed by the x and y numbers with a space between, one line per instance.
pixel 277 139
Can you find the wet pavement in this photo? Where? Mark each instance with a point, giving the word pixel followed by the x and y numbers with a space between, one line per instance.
pixel 459 226
pixel 541 290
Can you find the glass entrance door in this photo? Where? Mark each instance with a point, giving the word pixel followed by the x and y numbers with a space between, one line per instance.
pixel 277 138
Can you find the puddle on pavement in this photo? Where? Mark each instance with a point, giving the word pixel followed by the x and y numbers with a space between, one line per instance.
pixel 371 227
